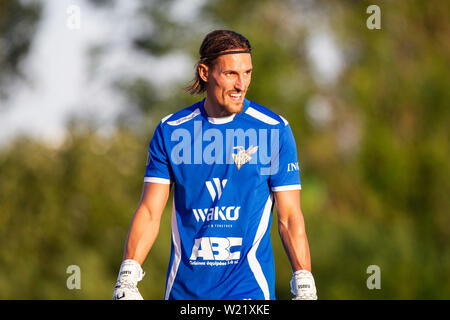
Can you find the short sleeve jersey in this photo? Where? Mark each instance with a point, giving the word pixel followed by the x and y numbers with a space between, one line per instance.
pixel 223 172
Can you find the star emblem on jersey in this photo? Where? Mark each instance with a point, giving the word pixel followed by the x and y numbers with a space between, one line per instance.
pixel 243 156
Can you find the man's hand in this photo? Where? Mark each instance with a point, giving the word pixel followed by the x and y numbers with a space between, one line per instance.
pixel 129 275
pixel 303 286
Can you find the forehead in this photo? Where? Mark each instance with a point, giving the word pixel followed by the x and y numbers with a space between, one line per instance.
pixel 236 61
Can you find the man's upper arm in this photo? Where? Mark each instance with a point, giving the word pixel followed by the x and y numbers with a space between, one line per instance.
pixel 158 168
pixel 158 174
pixel 154 198
pixel 285 175
pixel 287 203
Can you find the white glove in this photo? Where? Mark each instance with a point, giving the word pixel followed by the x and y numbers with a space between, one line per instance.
pixel 303 286
pixel 126 286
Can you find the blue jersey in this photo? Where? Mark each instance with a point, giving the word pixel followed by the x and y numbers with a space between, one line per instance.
pixel 224 172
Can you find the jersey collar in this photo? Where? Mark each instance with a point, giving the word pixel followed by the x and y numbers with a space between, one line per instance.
pixel 222 120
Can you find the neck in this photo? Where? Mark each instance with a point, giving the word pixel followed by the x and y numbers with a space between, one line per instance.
pixel 214 110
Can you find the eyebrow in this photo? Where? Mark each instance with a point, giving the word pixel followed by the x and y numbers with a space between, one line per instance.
pixel 230 70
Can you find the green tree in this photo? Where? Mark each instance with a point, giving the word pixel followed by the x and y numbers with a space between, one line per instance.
pixel 18 22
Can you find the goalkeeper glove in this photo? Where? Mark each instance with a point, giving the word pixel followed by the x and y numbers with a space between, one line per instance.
pixel 126 286
pixel 303 286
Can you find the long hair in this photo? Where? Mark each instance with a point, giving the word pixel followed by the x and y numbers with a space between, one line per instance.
pixel 215 42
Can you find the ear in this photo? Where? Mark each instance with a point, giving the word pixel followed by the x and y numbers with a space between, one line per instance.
pixel 203 72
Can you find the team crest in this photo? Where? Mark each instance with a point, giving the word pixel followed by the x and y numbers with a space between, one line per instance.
pixel 243 156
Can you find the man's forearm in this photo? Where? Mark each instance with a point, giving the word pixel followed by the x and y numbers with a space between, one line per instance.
pixel 143 232
pixel 295 242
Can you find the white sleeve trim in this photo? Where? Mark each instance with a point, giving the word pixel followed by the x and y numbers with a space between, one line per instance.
pixel 287 188
pixel 157 180
pixel 285 121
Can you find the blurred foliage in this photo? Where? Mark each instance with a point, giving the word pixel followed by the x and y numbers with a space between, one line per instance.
pixel 18 21
pixel 375 174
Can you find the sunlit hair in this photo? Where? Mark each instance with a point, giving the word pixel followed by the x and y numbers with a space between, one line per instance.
pixel 215 42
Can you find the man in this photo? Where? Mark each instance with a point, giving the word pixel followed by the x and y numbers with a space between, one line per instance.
pixel 228 159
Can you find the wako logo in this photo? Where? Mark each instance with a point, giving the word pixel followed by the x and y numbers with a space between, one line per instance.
pixel 216 251
pixel 225 213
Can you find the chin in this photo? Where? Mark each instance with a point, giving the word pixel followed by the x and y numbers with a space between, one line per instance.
pixel 235 107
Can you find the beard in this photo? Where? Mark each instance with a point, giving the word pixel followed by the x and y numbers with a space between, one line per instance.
pixel 223 105
pixel 233 107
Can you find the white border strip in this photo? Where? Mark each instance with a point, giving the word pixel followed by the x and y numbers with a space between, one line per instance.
pixel 166 117
pixel 190 116
pixel 261 116
pixel 157 180
pixel 284 120
pixel 252 261
pixel 177 248
pixel 287 188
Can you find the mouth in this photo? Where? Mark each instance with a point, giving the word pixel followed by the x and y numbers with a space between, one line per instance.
pixel 236 97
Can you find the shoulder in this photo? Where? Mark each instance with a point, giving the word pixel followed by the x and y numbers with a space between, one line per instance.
pixel 182 116
pixel 265 115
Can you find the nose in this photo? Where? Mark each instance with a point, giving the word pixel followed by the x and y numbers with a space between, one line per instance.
pixel 240 83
